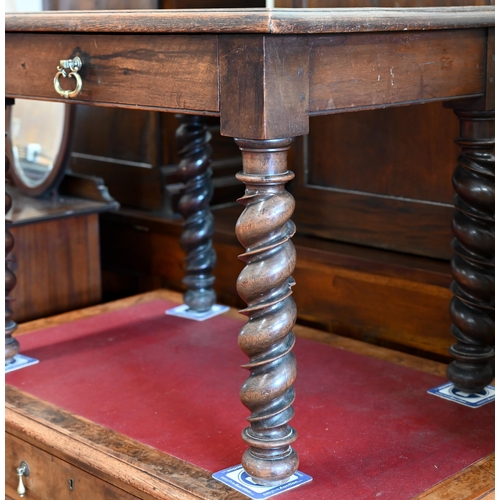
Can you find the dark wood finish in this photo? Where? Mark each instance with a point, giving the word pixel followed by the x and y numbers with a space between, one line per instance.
pixel 191 92
pixel 367 177
pixel 86 187
pixel 489 99
pixel 27 210
pixel 125 72
pixel 125 151
pixel 11 344
pixel 384 222
pixel 473 268
pixel 277 88
pixel 273 21
pixel 57 254
pixel 134 152
pixel 265 231
pixel 395 153
pixel 193 140
pixel 405 298
pixel 54 277
pixel 377 3
pixel 440 68
pixel 99 4
pixel 210 4
pixel 270 97
pixel 353 184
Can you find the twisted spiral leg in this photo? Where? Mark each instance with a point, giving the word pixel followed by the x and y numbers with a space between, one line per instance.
pixel 11 344
pixel 472 308
pixel 195 151
pixel 265 230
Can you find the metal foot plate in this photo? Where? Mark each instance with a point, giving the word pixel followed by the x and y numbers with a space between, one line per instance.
pixel 448 391
pixel 20 361
pixel 239 480
pixel 183 311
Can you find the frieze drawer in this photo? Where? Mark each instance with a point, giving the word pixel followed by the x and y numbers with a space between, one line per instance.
pixel 50 478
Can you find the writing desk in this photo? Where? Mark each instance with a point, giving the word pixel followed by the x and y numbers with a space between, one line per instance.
pixel 153 418
pixel 264 73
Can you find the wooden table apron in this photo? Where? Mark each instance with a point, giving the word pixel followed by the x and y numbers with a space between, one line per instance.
pixel 265 72
pixel 195 73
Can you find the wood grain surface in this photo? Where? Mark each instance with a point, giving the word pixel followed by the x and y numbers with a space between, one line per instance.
pixel 378 173
pixel 49 476
pixel 276 21
pixel 264 86
pixel 376 3
pixel 472 309
pixel 193 142
pixel 173 72
pixel 361 71
pixel 414 227
pixel 58 266
pixel 380 297
pixel 490 71
pixel 139 469
pixel 476 482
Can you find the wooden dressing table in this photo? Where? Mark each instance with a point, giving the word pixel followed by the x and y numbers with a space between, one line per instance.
pixel 264 73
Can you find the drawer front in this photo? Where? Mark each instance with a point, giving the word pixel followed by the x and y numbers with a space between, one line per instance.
pixel 49 477
pixel 173 72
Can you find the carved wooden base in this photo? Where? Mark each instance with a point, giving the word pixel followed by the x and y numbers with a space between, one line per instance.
pixel 265 230
pixel 11 344
pixel 193 139
pixel 472 308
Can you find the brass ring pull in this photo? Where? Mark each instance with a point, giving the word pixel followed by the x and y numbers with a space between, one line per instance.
pixel 74 65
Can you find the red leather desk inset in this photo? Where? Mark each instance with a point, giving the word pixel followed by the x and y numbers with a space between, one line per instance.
pixel 382 434
pixel 264 72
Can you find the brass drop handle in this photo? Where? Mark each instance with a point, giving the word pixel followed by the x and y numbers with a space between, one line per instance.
pixel 22 470
pixel 74 65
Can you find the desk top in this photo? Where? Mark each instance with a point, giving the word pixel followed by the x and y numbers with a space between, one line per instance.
pixel 271 21
pixel 204 440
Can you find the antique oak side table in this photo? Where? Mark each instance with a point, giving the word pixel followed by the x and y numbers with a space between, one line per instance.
pixel 264 72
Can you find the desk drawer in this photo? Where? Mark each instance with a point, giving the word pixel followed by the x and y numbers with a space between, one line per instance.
pixel 172 72
pixel 49 476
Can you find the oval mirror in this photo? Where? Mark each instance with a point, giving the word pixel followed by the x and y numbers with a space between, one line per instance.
pixel 39 137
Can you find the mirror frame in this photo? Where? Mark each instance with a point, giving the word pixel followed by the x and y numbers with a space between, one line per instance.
pixel 58 170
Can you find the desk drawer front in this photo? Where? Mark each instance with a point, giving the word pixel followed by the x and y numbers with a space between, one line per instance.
pixel 367 71
pixel 49 476
pixel 173 72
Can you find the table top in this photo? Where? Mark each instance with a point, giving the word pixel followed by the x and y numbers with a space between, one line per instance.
pixel 263 21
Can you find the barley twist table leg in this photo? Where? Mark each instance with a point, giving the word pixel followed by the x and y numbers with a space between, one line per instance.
pixel 193 139
pixel 265 230
pixel 472 307
pixel 11 344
